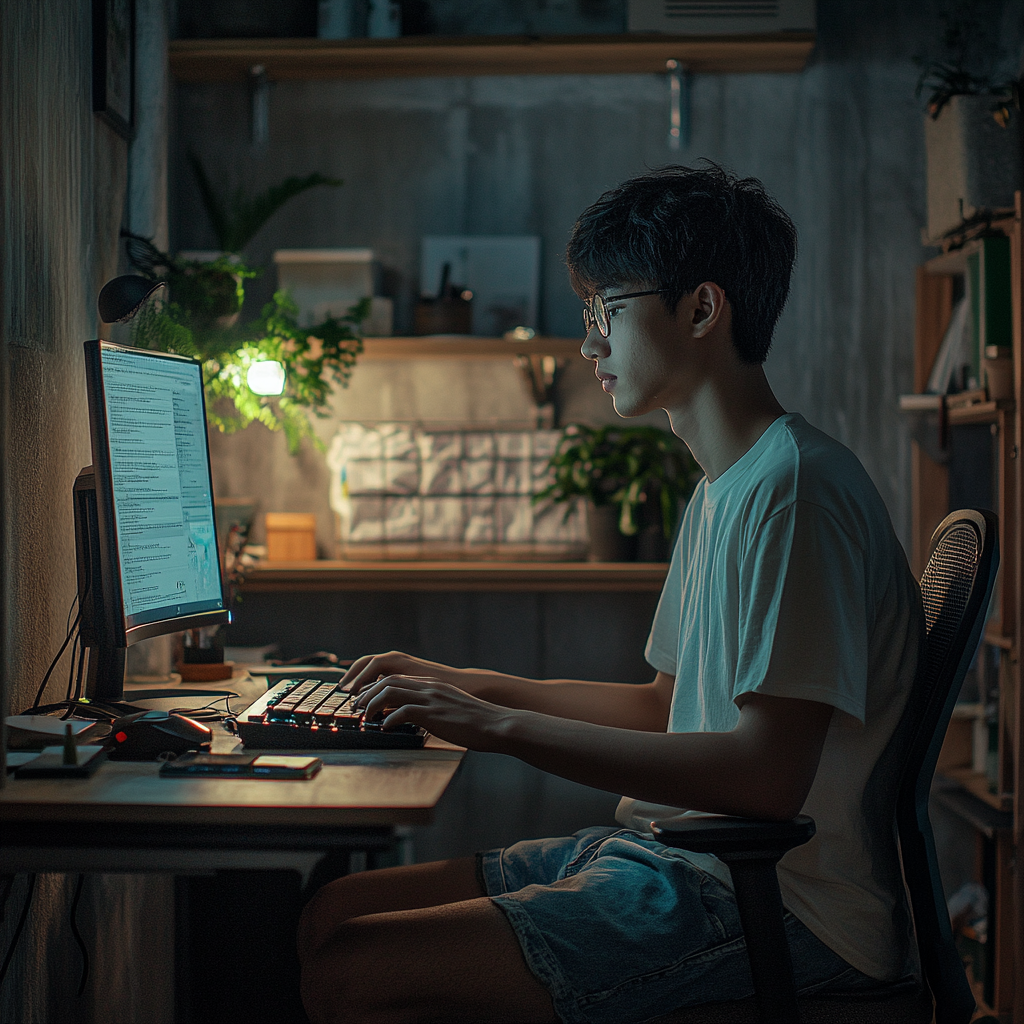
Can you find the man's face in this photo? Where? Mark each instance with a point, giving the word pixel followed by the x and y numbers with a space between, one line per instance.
pixel 642 362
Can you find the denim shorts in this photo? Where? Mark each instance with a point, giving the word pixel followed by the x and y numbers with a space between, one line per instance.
pixel 619 927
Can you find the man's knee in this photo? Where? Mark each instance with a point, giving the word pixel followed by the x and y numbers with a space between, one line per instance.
pixel 323 915
pixel 344 979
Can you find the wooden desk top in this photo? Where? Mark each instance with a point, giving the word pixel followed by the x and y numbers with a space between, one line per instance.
pixel 354 789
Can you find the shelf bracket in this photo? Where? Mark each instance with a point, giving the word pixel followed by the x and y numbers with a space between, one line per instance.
pixel 679 110
pixel 541 375
pixel 259 97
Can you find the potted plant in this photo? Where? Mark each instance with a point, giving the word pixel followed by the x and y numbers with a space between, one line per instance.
pixel 972 127
pixel 201 318
pixel 634 480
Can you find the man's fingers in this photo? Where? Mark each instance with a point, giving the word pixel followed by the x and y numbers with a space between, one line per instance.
pixel 356 669
pixel 410 682
pixel 392 698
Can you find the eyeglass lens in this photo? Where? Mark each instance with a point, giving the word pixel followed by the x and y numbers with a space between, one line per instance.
pixel 595 313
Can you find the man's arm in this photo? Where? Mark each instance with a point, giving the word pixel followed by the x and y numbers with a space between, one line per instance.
pixel 643 706
pixel 762 768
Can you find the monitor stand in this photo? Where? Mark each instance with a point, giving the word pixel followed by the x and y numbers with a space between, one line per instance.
pixel 105 680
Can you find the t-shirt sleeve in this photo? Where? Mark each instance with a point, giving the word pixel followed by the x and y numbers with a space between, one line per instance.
pixel 663 643
pixel 803 612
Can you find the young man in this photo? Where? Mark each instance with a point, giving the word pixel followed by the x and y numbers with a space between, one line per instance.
pixel 785 644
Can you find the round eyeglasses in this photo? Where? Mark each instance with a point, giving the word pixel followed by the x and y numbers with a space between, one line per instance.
pixel 595 310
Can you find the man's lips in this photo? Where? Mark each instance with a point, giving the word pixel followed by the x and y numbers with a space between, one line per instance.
pixel 607 379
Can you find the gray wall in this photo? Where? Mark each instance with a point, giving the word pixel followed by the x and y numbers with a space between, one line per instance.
pixel 63 176
pixel 840 145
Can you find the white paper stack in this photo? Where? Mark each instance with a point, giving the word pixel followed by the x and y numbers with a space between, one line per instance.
pixel 402 492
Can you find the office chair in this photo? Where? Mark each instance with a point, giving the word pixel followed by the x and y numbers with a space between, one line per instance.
pixel 955 587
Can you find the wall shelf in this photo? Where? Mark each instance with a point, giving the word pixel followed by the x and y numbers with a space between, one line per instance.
pixel 303 577
pixel 231 60
pixel 464 346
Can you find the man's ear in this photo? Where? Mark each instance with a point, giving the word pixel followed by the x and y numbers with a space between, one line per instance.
pixel 710 301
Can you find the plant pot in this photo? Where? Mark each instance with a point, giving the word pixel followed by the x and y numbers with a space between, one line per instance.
pixel 974 163
pixel 607 544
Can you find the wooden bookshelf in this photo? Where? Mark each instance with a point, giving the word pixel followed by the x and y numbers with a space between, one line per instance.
pixel 231 60
pixel 998 817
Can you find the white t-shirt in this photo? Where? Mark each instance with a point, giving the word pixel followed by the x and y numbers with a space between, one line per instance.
pixel 787 579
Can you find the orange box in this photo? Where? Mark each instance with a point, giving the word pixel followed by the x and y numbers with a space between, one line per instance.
pixel 291 537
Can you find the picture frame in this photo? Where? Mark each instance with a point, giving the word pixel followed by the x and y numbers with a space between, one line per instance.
pixel 113 63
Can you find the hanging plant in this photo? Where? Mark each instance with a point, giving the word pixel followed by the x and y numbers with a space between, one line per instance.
pixel 200 319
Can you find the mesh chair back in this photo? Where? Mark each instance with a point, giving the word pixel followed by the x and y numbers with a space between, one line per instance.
pixel 956 587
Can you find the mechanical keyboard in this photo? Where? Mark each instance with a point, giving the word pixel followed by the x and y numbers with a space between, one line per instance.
pixel 316 714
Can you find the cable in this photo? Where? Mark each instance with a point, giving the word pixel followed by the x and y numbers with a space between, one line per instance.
pixel 67 628
pixel 78 935
pixel 81 667
pixel 71 665
pixel 57 657
pixel 20 928
pixel 5 894
pixel 206 713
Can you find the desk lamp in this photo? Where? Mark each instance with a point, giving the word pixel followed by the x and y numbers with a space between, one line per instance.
pixel 122 297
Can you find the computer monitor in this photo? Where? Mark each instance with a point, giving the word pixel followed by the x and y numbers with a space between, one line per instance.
pixel 145 538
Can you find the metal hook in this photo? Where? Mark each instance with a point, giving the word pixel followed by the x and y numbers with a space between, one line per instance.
pixel 679 82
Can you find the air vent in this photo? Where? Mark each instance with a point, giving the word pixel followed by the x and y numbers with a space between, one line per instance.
pixel 721 17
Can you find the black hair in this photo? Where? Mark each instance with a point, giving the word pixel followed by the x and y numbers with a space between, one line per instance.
pixel 677 227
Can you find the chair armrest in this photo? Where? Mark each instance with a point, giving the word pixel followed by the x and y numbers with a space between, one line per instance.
pixel 735 838
pixel 751 848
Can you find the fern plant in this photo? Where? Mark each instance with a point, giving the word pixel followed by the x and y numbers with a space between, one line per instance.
pixel 236 219
pixel 200 319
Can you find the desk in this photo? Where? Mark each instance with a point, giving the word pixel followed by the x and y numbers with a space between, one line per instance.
pixel 126 818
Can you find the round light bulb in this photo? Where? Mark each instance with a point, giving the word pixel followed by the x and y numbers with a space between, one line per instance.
pixel 266 377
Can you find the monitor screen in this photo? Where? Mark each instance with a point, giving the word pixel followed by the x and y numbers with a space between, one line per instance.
pixel 160 486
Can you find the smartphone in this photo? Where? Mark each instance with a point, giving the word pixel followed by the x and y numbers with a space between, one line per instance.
pixel 243 766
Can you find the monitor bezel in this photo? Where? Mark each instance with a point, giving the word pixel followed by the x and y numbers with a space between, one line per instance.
pixel 115 631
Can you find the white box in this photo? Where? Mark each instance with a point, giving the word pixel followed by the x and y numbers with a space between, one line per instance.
pixel 331 279
pixel 974 164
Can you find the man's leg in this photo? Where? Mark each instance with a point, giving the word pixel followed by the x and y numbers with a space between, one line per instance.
pixel 415 943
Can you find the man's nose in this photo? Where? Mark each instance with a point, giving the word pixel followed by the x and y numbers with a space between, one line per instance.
pixel 595 346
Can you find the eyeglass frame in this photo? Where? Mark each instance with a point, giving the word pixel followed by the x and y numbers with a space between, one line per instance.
pixel 602 304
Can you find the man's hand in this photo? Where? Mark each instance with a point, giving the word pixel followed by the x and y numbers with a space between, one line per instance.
pixel 371 667
pixel 442 709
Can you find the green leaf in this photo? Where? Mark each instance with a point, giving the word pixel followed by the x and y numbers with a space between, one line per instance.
pixel 236 222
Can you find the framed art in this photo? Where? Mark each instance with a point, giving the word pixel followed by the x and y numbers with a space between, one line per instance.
pixel 113 60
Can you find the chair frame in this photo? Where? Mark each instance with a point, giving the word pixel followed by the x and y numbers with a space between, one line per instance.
pixel 752 848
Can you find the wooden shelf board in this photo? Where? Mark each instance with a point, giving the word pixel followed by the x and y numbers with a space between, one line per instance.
pixel 976 783
pixel 230 60
pixel 994 636
pixel 978 412
pixel 464 346
pixel 325 575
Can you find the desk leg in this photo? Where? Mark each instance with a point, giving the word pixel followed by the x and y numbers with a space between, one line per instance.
pixel 236 948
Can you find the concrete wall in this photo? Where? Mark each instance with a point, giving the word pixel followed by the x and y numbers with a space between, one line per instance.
pixel 63 176
pixel 840 145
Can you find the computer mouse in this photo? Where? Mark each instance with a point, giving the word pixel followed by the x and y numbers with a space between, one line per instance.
pixel 156 736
